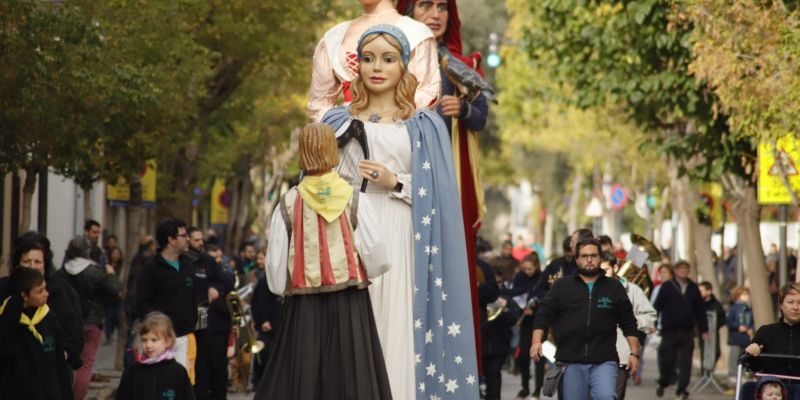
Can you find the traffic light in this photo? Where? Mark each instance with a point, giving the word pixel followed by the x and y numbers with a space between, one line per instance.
pixel 493 59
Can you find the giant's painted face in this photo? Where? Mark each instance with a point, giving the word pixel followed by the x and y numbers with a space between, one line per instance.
pixel 381 65
pixel 434 14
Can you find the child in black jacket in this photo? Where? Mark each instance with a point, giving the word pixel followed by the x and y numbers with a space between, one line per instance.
pixel 33 362
pixel 157 375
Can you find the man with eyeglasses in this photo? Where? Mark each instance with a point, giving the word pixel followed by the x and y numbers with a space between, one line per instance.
pixel 166 283
pixel 584 310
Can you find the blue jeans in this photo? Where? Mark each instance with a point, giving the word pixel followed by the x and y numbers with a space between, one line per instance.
pixel 599 379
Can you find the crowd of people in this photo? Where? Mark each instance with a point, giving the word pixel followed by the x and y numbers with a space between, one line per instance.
pixel 374 284
pixel 676 314
pixel 179 333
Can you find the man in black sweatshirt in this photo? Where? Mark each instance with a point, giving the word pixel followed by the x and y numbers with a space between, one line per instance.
pixel 212 284
pixel 166 283
pixel 584 310
pixel 682 313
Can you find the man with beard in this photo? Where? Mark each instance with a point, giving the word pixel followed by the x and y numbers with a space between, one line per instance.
pixel 584 310
pixel 213 328
pixel 562 266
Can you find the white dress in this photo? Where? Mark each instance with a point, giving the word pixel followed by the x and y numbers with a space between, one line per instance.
pixel 392 293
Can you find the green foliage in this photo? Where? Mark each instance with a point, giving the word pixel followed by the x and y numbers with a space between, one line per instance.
pixel 636 54
pixel 748 51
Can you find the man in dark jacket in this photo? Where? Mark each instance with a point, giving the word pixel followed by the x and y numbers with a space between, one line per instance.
pixel 496 343
pixel 266 309
pixel 524 283
pixel 714 306
pixel 213 328
pixel 682 314
pixel 584 310
pixel 166 283
pixel 96 286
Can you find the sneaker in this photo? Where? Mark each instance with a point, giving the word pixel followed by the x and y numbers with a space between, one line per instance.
pixel 682 396
pixel 659 391
pixel 523 394
pixel 637 380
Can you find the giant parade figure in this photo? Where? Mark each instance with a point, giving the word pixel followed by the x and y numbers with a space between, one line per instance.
pixel 325 245
pixel 464 107
pixel 336 65
pixel 404 163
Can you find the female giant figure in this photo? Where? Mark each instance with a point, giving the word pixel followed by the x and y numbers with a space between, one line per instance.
pixel 422 304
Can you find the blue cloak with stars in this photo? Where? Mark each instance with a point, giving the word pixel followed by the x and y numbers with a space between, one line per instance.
pixel 444 341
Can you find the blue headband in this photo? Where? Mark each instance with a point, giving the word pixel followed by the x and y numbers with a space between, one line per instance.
pixel 393 31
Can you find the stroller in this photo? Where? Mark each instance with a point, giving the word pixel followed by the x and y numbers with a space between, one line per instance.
pixel 746 390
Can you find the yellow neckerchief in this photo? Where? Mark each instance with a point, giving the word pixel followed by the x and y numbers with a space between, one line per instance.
pixel 38 316
pixel 327 194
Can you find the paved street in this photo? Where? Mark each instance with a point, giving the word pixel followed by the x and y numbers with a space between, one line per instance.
pixel 511 384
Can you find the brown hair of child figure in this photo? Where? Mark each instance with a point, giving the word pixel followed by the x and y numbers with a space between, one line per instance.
pixel 318 150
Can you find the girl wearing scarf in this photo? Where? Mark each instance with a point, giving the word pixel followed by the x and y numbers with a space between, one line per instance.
pixel 324 248
pixel 419 305
pixel 156 374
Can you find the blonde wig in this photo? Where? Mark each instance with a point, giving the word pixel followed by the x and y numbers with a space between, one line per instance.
pixel 318 150
pixel 404 92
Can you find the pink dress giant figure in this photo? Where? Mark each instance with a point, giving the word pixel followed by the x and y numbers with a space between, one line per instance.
pixel 335 63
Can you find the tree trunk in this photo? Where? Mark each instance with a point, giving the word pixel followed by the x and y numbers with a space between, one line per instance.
pixel 131 247
pixel 28 188
pixel 574 202
pixel 658 216
pixel 748 215
pixel 87 201
pixel 238 217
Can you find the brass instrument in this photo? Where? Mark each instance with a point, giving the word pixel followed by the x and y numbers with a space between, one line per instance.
pixel 240 317
pixel 634 270
pixel 494 310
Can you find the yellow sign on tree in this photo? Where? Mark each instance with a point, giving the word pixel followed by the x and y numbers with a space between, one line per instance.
pixel 120 194
pixel 219 203
pixel 773 161
pixel 711 194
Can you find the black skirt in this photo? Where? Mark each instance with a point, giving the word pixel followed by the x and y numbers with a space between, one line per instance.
pixel 326 347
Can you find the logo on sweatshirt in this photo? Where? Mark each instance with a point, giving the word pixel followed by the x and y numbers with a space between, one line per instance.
pixel 168 394
pixel 189 282
pixel 604 302
pixel 48 344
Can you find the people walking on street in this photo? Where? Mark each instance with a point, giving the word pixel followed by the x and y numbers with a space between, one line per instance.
pixel 32 250
pixel 97 286
pixel 32 362
pixel 584 310
pixel 712 305
pixel 266 308
pixel 166 283
pixel 496 344
pixel 645 320
pixel 156 374
pixel 92 231
pixel 214 321
pixel 682 314
pixel 741 327
pixel 782 337
pixel 115 259
pixel 524 283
